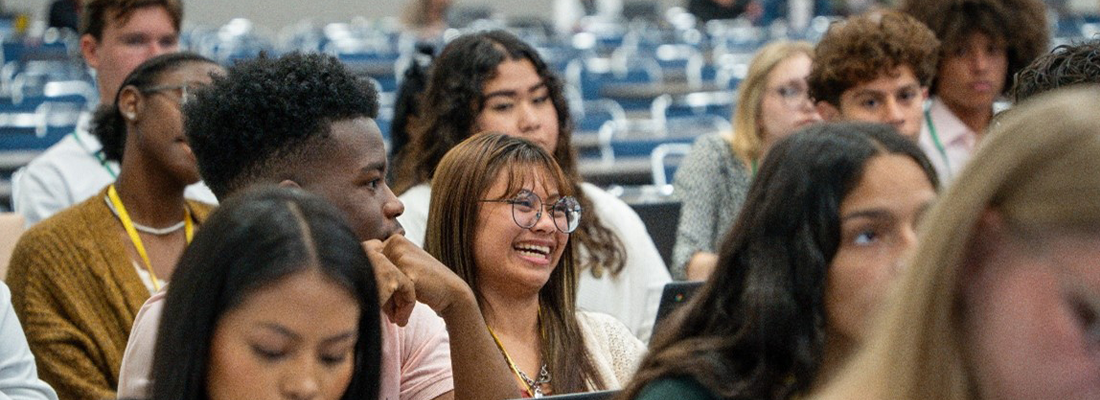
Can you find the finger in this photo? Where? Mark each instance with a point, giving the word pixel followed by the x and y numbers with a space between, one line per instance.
pixel 403 300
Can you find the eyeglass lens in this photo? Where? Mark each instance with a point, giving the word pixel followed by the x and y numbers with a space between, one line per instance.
pixel 527 209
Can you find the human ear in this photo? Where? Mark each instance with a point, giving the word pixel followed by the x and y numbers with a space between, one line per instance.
pixel 130 103
pixel 89 48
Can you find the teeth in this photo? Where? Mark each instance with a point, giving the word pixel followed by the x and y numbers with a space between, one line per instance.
pixel 534 250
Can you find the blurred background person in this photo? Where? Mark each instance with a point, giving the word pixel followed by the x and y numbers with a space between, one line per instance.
pixel 772 102
pixel 1067 65
pixel 79 277
pixel 875 67
pixel 983 44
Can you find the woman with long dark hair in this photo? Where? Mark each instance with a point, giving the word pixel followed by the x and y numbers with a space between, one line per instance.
pixel 492 81
pixel 502 219
pixel 827 224
pixel 275 299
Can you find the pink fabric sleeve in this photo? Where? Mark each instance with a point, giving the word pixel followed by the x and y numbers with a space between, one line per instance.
pixel 137 361
pixel 416 359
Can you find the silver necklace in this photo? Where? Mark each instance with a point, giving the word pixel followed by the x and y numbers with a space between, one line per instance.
pixel 148 229
pixel 536 384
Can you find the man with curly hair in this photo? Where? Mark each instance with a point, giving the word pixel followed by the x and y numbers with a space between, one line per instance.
pixel 304 120
pixel 984 44
pixel 1066 65
pixel 875 67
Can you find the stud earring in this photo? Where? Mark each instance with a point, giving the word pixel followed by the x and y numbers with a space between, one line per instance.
pixel 130 116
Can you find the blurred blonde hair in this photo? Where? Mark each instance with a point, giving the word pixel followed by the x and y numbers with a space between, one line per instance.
pixel 1036 167
pixel 748 135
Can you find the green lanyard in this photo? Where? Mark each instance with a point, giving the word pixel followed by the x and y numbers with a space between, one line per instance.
pixel 936 141
pixel 98 154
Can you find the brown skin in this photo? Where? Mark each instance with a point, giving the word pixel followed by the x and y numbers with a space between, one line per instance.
pixel 354 181
pixel 157 166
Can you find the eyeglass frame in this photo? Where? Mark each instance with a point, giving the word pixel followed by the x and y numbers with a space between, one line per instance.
pixel 793 100
pixel 542 206
pixel 185 89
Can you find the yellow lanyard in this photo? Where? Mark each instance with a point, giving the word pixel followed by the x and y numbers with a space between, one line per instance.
pixel 531 390
pixel 136 240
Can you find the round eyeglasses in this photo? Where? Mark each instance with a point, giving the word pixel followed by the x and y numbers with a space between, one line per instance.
pixel 527 210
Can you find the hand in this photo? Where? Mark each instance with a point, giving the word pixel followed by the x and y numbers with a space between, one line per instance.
pixel 396 293
pixel 700 266
pixel 436 285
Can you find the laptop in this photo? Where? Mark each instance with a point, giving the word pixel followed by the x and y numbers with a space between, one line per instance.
pixel 600 395
pixel 674 295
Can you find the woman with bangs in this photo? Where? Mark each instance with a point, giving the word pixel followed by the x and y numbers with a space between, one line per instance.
pixel 502 218
pixel 492 81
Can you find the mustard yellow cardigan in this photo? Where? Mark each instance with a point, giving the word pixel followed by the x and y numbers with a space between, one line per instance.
pixel 76 292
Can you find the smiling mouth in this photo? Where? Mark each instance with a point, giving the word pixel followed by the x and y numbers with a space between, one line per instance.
pixel 531 250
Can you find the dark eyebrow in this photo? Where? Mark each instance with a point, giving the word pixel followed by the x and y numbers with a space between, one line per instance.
pixel 281 330
pixel 540 85
pixel 871 213
pixel 375 166
pixel 868 92
pixel 500 93
pixel 339 338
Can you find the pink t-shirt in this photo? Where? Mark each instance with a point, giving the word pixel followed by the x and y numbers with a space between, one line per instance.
pixel 416 358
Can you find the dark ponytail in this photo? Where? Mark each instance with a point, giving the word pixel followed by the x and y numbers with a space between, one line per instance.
pixel 108 124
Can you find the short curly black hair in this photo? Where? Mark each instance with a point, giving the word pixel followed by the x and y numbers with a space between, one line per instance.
pixel 1066 65
pixel 864 47
pixel 1020 24
pixel 267 115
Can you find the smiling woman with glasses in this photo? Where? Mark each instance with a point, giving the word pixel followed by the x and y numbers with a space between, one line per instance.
pixel 773 102
pixel 80 276
pixel 512 245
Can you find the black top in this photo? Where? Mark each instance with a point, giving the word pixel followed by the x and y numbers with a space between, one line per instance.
pixel 65 14
pixel 706 10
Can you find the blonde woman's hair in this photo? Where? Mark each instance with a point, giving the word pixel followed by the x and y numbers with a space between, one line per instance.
pixel 1036 167
pixel 748 135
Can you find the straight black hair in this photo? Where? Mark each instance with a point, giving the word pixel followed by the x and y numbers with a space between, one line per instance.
pixel 255 239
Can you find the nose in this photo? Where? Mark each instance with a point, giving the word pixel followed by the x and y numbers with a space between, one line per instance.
pixel 907 245
pixel 544 222
pixel 980 60
pixel 893 112
pixel 529 118
pixel 301 382
pixel 392 207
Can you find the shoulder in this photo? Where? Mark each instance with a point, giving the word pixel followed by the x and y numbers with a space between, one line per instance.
pixel 79 220
pixel 608 332
pixel 425 331
pixel 681 388
pixel 607 204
